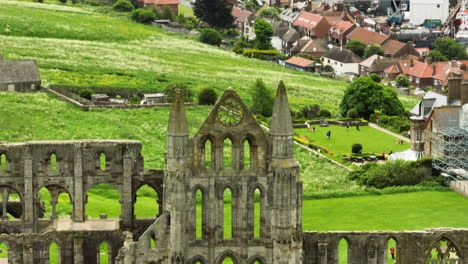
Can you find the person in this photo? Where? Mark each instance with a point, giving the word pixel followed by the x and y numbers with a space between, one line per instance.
pixel 383 155
pixel 392 251
pixel 390 153
pixel 328 134
pixel 357 127
pixel 409 134
pixel 313 129
pixel 347 126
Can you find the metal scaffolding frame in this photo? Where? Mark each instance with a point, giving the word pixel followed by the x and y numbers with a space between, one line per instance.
pixel 450 151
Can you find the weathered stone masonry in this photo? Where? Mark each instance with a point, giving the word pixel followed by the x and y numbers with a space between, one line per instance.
pixel 197 164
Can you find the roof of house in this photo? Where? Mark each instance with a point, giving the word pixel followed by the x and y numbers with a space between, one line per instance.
pixel 430 99
pixel 307 45
pixel 369 61
pixel 291 35
pixel 342 55
pixel 307 20
pixel 19 71
pixel 391 46
pixel 367 36
pixel 392 69
pixel 342 26
pixel 289 15
pixel 298 61
pixel 240 14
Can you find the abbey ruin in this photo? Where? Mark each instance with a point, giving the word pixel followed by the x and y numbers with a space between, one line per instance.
pixel 172 237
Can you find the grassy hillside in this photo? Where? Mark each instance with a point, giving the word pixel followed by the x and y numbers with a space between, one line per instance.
pixel 75 46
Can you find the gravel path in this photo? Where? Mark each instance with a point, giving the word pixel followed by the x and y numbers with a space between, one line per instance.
pixel 389 132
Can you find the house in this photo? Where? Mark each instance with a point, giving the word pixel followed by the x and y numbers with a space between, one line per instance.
pixel 312 25
pixel 396 49
pixel 313 47
pixel 150 99
pixel 244 21
pixel 289 15
pixel 340 31
pixel 289 38
pixel 161 4
pixel 19 76
pixel 342 60
pixel 300 64
pixel 367 37
pixel 421 52
pixel 375 64
pixel 421 10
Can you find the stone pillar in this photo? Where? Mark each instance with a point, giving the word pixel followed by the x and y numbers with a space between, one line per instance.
pixel 79 214
pixel 127 214
pixel 322 252
pixel 28 257
pixel 55 195
pixel 78 257
pixel 28 195
pixel 66 252
pixel 5 195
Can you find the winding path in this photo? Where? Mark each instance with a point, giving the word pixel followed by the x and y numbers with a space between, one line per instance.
pixel 389 132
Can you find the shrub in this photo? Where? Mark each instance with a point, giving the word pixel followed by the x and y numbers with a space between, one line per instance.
pixel 207 96
pixel 170 89
pixel 261 54
pixel 143 15
pixel 402 80
pixel 231 33
pixel 356 148
pixel 238 50
pixel 86 93
pixel 210 36
pixel 375 77
pixel 123 6
pixel 325 113
pixel 63 1
pixel 135 100
pixel 394 121
pixel 352 113
pixel 311 111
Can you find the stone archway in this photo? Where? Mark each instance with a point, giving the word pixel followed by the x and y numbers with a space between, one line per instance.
pixel 444 251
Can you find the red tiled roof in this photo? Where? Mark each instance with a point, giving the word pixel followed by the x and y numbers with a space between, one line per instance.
pixel 367 36
pixel 435 70
pixel 392 46
pixel 307 20
pixel 298 61
pixel 240 14
pixel 392 69
pixel 342 26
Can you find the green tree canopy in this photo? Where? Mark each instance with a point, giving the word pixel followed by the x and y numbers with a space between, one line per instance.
pixel 270 12
pixel 263 32
pixel 451 49
pixel 372 50
pixel 357 47
pixel 262 99
pixel 367 96
pixel 216 13
pixel 437 56
pixel 210 36
pixel 402 80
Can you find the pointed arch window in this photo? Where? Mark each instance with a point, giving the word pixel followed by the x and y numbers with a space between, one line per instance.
pixel 3 162
pixel 227 213
pixel 228 153
pixel 208 153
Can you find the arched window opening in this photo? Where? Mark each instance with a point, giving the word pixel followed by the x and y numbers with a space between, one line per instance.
pixel 104 253
pixel 343 251
pixel 257 262
pixel 103 199
pixel 3 162
pixel 444 251
pixel 228 260
pixel 207 153
pixel 102 161
pixel 55 202
pixel 54 255
pixel 147 202
pixel 257 212
pixel 392 251
pixel 199 214
pixel 53 162
pixel 228 157
pixel 3 252
pixel 11 205
pixel 247 155
pixel 227 213
pixel 153 240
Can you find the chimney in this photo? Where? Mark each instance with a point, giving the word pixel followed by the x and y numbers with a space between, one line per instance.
pixel 433 69
pixel 454 87
pixel 429 60
pixel 411 63
pixel 453 63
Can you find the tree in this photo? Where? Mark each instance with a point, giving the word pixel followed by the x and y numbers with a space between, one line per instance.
pixel 437 56
pixel 168 14
pixel 375 77
pixel 367 96
pixel 123 6
pixel 356 148
pixel 262 99
pixel 143 15
pixel 207 96
pixel 216 13
pixel 270 12
pixel 357 47
pixel 170 89
pixel 450 48
pixel 325 113
pixel 86 93
pixel 263 32
pixel 352 113
pixel 210 36
pixel 402 80
pixel 372 50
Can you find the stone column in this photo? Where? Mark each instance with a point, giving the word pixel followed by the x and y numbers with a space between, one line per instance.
pixel 28 257
pixel 5 195
pixel 79 214
pixel 78 251
pixel 127 214
pixel 55 195
pixel 322 253
pixel 28 195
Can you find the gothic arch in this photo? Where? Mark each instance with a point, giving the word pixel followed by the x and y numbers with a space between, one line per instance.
pixel 257 258
pixel 228 253
pixel 199 259
pixel 444 237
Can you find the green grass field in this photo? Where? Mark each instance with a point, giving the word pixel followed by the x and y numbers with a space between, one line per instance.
pixel 82 47
pixel 341 140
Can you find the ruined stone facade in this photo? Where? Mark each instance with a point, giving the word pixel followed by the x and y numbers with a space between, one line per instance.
pixel 196 168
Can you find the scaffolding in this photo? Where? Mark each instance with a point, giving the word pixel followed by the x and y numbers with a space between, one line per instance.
pixel 450 151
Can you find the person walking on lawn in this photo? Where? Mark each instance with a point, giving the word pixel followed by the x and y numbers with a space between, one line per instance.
pixel 392 251
pixel 328 134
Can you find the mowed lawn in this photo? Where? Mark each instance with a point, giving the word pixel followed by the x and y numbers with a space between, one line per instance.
pixel 341 140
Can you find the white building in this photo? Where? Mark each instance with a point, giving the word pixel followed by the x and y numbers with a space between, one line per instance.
pixel 342 60
pixel 421 10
